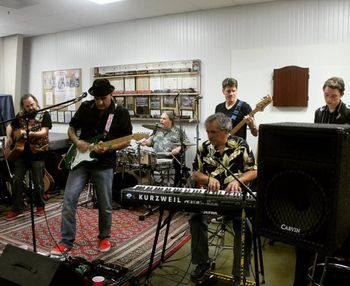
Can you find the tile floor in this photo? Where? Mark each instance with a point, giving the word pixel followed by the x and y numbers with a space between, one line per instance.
pixel 279 262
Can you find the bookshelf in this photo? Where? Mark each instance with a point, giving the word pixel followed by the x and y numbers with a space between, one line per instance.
pixel 148 89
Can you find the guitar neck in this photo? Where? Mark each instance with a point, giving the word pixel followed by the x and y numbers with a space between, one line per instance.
pixel 114 141
pixel 240 124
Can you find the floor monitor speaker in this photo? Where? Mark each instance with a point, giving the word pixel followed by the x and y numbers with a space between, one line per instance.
pixel 304 184
pixel 22 267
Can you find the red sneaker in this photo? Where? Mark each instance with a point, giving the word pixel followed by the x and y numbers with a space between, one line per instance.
pixel 59 249
pixel 13 214
pixel 40 211
pixel 104 245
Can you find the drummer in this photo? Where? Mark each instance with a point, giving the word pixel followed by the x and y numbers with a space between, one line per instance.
pixel 166 142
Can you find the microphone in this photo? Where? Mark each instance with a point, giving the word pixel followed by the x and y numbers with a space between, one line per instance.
pixel 84 94
pixel 176 96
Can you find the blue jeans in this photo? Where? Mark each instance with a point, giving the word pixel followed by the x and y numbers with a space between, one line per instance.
pixel 22 165
pixel 102 180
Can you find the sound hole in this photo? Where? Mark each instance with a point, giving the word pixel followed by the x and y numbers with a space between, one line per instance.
pixel 296 203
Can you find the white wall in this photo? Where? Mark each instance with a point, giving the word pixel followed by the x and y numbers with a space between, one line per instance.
pixel 11 70
pixel 246 42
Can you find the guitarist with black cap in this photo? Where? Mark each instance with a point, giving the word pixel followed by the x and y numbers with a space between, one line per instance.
pixel 98 121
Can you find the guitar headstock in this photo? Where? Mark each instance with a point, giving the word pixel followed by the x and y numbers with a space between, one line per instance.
pixel 139 136
pixel 263 103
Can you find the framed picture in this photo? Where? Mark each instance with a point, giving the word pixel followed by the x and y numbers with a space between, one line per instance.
pixel 120 100
pixel 186 114
pixel 186 102
pixel 142 105
pixel 67 116
pixel 61 85
pixel 169 101
pixel 60 116
pixel 53 114
pixel 155 102
pixel 155 113
pixel 130 103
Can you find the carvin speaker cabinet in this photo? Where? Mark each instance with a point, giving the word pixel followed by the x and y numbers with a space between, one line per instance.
pixel 304 184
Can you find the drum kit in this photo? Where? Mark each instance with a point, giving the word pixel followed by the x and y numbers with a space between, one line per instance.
pixel 142 163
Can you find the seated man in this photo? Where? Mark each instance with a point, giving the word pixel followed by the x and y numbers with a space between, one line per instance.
pixel 236 156
pixel 167 140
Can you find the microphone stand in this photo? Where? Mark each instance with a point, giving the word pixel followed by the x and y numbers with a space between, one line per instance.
pixel 27 117
pixel 184 174
pixel 245 190
pixel 196 100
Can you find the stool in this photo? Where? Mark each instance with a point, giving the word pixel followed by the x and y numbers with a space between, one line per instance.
pixel 223 228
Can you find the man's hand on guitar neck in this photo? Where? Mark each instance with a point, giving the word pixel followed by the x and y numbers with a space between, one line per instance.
pixel 251 123
pixel 100 148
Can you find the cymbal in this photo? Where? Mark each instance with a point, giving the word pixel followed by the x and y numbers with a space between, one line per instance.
pixel 154 127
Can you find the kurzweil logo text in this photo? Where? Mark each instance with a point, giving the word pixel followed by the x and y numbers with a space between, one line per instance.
pixel 158 198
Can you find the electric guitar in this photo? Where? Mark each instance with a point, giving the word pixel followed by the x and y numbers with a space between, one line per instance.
pixel 74 157
pixel 259 107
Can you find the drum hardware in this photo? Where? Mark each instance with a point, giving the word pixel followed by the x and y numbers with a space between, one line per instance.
pixel 330 272
pixel 6 181
pixel 150 209
pixel 186 144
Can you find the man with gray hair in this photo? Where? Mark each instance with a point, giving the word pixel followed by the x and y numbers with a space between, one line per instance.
pixel 236 156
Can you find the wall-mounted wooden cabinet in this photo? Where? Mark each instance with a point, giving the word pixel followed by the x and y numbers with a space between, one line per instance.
pixel 150 88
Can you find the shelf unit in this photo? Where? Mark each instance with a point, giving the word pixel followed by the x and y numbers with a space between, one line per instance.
pixel 148 89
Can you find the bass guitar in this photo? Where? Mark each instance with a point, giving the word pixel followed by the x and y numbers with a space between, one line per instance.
pixel 74 157
pixel 259 107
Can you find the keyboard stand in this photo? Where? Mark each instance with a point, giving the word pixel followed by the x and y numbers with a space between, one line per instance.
pixel 160 225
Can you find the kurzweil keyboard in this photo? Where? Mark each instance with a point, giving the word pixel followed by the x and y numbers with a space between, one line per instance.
pixel 186 199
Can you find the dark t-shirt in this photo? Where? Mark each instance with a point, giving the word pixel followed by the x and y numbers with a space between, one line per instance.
pixel 91 123
pixel 340 116
pixel 244 110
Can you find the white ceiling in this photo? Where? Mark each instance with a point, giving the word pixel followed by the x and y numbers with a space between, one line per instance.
pixel 37 17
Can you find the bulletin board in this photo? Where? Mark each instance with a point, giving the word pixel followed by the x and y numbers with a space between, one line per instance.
pixel 60 86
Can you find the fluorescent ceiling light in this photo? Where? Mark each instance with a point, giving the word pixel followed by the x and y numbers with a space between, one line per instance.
pixel 101 2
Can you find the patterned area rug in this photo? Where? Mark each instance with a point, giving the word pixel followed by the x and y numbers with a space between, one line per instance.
pixel 131 239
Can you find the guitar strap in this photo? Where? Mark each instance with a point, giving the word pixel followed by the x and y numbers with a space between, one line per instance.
pixel 108 123
pixel 237 110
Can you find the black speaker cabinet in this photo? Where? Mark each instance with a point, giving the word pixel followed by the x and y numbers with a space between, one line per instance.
pixel 24 268
pixel 304 184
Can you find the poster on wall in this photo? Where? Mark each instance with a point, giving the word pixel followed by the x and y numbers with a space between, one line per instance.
pixel 60 86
